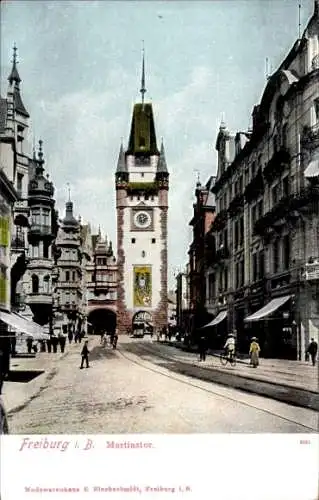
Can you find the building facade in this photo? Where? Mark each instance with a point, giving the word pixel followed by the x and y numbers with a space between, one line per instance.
pixel 102 273
pixel 267 211
pixel 204 211
pixel 68 287
pixel 141 182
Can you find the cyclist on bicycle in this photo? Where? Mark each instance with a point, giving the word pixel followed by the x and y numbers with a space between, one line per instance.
pixel 230 345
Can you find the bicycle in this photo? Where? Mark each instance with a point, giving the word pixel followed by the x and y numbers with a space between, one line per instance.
pixel 227 358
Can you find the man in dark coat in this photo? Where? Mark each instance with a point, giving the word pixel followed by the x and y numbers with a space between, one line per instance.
pixel 312 350
pixel 85 355
pixel 202 347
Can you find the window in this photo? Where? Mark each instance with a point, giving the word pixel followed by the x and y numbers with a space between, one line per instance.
pixel 45 250
pixel 211 286
pixel 46 284
pixel 253 169
pixel 35 283
pixel 153 240
pixel 142 174
pixel 35 251
pixel 286 251
pixel 285 136
pixel 254 266
pixel 226 279
pixel 152 198
pixel 133 240
pixel 260 210
pixel 236 233
pixel 275 194
pixel 285 186
pixel 132 198
pixel 146 197
pixel 19 184
pixel 36 217
pixel 73 276
pixel 142 142
pixel 276 263
pixel 67 275
pixel 253 214
pixel 143 253
pixel 261 264
pixel 45 217
pixel 316 106
pixel 241 231
pixel 242 272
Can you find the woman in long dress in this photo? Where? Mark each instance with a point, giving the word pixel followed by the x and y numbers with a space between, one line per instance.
pixel 254 351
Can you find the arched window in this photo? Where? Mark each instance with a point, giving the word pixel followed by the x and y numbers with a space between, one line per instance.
pixel 46 284
pixel 35 283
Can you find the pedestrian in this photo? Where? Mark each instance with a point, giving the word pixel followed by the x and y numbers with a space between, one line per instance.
pixel 115 339
pixel 85 355
pixel 254 351
pixel 312 350
pixel 70 336
pixel 202 347
pixel 29 344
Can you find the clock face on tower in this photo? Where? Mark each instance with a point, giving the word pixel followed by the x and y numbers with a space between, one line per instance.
pixel 142 219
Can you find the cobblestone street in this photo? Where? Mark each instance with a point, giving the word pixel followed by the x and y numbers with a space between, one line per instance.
pixel 123 393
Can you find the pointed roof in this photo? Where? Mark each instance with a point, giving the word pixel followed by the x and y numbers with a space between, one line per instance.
pixel 161 166
pixel 14 75
pixel 69 219
pixel 121 163
pixel 143 89
pixel 143 137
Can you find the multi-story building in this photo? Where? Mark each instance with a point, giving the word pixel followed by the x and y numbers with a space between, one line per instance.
pixel 102 272
pixel 68 286
pixel 183 312
pixel 267 211
pixel 37 280
pixel 14 127
pixel 141 182
pixel 203 216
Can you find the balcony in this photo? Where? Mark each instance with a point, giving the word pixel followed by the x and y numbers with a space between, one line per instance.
pixel 310 136
pixel 287 210
pixel 276 165
pixel 39 298
pixel 312 270
pixel 18 243
pixel 254 188
pixel 236 205
pixel 220 221
pixel 40 229
pixel 42 263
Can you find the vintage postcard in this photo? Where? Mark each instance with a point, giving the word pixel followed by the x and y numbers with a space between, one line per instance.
pixel 159 249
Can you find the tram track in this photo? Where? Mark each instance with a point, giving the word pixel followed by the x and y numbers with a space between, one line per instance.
pixel 181 368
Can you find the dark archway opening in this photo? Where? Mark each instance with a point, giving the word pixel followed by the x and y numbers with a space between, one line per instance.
pixel 101 320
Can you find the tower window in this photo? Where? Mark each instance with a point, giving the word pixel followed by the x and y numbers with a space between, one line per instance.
pixel 143 253
pixel 67 275
pixel 35 283
pixel 132 198
pixel 45 250
pixel 133 240
pixel 152 198
pixel 142 142
pixel 142 174
pixel 153 240
pixel 146 197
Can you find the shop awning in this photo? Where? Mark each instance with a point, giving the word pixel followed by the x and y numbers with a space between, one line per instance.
pixel 313 169
pixel 269 308
pixel 219 318
pixel 23 325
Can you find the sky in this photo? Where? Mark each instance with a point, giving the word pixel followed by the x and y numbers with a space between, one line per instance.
pixel 80 65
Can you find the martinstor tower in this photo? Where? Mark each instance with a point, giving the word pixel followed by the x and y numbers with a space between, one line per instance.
pixel 141 181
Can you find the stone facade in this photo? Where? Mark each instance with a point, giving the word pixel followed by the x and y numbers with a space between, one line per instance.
pixel 266 229
pixel 142 206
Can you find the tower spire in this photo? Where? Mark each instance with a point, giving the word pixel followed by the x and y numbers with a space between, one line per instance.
pixel 143 89
pixel 14 75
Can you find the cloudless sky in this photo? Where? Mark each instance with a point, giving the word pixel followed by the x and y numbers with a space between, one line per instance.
pixel 80 65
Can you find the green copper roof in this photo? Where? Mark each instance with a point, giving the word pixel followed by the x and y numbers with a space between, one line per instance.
pixel 142 136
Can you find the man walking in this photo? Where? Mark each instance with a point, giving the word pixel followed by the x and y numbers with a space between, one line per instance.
pixel 202 347
pixel 312 350
pixel 85 355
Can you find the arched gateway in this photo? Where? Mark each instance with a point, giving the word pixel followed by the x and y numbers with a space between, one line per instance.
pixel 142 323
pixel 100 320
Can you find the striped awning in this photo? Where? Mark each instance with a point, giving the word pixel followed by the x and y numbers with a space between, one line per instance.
pixel 219 318
pixel 269 308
